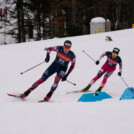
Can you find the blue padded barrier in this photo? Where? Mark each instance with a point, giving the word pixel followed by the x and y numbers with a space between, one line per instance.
pixel 92 97
pixel 128 94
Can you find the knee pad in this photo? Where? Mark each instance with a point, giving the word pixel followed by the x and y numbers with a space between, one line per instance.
pixel 57 79
pixel 61 74
pixel 108 74
pixel 100 73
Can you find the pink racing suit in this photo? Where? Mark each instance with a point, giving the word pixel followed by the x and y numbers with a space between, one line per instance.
pixel 108 68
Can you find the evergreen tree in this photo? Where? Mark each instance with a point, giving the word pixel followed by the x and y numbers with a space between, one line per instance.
pixel 44 19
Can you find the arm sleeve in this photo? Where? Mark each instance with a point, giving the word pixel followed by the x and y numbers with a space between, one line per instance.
pixel 56 48
pixel 102 56
pixel 72 65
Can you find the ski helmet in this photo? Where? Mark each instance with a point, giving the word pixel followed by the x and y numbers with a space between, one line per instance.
pixel 116 50
pixel 68 43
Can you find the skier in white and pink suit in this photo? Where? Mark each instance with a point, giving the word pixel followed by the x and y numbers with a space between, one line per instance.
pixel 108 68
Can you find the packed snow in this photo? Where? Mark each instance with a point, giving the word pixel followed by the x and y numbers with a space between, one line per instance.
pixel 64 114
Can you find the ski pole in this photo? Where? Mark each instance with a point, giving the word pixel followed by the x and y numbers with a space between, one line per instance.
pixel 89 56
pixel 124 82
pixel 32 67
pixel 71 82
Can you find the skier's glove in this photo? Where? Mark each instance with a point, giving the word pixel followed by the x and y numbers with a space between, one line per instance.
pixel 47 58
pixel 97 62
pixel 119 73
pixel 65 77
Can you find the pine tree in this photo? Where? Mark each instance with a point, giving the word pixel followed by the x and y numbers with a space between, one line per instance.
pixel 44 19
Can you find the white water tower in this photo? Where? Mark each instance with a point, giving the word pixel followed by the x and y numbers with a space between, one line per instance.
pixel 97 25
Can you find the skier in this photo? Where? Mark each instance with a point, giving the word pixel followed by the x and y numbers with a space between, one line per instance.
pixel 1 13
pixel 59 66
pixel 108 68
pixel 5 12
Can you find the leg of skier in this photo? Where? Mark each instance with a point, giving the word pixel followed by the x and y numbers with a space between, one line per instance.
pixel 44 77
pixel 100 73
pixel 55 85
pixel 53 88
pixel 106 76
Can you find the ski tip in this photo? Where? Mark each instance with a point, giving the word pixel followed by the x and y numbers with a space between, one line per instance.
pixel 46 49
pixel 83 51
pixel 77 91
pixel 10 94
pixel 42 101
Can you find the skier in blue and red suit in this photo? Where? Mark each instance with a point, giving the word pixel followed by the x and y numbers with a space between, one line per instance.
pixel 108 68
pixel 59 66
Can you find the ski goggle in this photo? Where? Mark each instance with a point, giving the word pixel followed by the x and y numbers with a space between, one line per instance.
pixel 67 47
pixel 114 54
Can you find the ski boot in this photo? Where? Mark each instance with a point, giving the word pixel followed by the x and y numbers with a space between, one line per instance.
pixel 47 98
pixel 98 90
pixel 26 93
pixel 86 88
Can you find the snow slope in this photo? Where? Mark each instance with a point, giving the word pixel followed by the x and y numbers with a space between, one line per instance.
pixel 63 114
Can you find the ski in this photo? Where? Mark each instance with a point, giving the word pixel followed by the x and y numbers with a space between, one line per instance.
pixel 16 96
pixel 77 91
pixel 19 97
pixel 42 101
